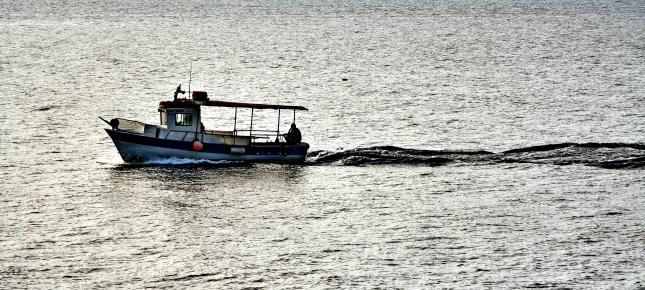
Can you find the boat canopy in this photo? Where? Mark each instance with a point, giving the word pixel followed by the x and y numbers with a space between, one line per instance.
pixel 216 103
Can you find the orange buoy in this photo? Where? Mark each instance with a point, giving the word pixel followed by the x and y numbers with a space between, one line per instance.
pixel 198 146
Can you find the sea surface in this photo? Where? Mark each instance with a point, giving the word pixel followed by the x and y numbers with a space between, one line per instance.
pixel 489 144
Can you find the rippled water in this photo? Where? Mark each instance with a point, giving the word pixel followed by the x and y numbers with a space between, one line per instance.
pixel 488 145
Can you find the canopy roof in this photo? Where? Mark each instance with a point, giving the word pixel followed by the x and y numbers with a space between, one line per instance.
pixel 215 103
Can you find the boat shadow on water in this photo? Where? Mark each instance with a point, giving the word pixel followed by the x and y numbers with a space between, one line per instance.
pixel 197 176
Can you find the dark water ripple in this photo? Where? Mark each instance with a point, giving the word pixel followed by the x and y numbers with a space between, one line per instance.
pixel 606 155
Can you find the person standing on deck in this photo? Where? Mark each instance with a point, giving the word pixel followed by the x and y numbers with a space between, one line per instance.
pixel 178 90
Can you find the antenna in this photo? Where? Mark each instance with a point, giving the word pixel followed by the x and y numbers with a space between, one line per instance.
pixel 190 77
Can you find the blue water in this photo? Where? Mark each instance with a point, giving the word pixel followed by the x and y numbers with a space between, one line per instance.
pixel 494 144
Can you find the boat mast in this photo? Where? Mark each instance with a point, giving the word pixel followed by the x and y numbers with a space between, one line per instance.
pixel 190 77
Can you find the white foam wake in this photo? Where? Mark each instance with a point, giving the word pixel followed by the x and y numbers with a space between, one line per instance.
pixel 186 161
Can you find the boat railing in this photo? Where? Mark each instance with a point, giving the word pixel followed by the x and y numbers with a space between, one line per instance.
pixel 266 135
pixel 236 137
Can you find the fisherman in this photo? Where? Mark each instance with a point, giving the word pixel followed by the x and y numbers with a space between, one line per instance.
pixel 178 90
pixel 293 136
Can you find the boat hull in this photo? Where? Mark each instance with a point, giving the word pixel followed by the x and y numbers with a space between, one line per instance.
pixel 139 148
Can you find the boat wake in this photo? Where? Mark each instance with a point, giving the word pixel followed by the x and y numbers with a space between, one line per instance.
pixel 182 162
pixel 605 155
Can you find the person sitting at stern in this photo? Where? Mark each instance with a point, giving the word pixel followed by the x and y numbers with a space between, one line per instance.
pixel 293 136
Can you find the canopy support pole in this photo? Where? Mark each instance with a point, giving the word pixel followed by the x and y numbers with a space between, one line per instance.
pixel 251 129
pixel 294 117
pixel 235 123
pixel 277 133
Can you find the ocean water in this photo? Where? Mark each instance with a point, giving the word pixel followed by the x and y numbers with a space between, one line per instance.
pixel 454 144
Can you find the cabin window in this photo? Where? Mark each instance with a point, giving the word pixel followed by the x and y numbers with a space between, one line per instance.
pixel 183 119
pixel 164 118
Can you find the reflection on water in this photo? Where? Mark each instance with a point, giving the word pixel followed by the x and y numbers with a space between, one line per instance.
pixel 201 189
pixel 205 211
pixel 193 178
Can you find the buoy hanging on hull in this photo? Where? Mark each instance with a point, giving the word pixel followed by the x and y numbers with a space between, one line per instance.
pixel 198 146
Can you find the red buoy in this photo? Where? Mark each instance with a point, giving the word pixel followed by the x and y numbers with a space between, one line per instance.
pixel 198 146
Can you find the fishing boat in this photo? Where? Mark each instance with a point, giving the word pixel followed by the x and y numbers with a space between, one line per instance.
pixel 181 134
